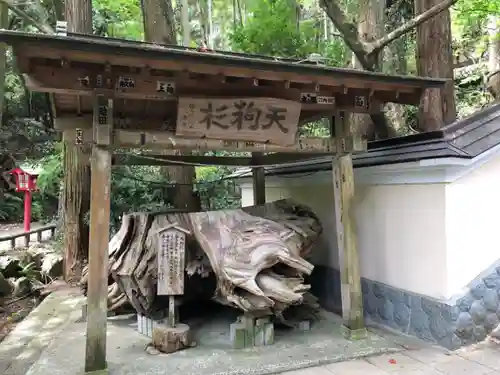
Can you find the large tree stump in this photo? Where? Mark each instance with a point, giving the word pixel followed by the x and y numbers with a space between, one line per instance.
pixel 256 255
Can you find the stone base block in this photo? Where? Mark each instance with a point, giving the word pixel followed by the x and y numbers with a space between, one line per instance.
pixel 260 331
pixel 247 333
pixel 269 334
pixel 238 333
pixel 97 372
pixel 353 334
pixel 172 339
pixel 304 325
pixel 146 325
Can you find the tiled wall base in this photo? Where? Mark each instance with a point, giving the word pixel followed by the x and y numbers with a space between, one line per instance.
pixel 452 324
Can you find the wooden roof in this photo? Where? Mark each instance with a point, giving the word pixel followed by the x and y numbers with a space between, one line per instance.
pixel 72 66
pixel 466 138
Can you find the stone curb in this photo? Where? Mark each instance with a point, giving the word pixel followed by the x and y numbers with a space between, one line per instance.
pixel 24 345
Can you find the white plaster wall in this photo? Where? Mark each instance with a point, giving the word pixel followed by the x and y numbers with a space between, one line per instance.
pixel 472 224
pixel 401 231
pixel 273 193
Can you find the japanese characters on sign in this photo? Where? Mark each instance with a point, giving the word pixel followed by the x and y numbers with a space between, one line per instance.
pixel 125 83
pixel 79 136
pixel 360 102
pixel 314 98
pixel 103 114
pixel 165 87
pixel 171 253
pixel 252 119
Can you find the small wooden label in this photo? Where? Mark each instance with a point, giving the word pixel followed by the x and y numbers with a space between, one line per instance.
pixel 247 119
pixel 171 253
pixel 165 87
pixel 314 98
pixel 330 100
pixel 125 83
pixel 79 136
pixel 360 101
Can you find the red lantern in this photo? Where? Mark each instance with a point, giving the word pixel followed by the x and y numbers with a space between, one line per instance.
pixel 26 181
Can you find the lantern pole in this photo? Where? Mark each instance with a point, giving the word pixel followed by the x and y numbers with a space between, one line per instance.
pixel 27 210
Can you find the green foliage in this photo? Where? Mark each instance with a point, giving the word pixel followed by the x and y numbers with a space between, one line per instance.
pixel 216 192
pixel 270 31
pixel 134 189
pixel 118 19
pixel 471 12
pixel 274 28
pixel 470 91
pixel 11 207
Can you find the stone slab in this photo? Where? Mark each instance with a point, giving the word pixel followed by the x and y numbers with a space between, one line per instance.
pixel 353 334
pixel 24 345
pixel 98 372
pixel 292 350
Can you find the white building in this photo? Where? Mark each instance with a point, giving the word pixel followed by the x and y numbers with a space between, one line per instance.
pixel 428 209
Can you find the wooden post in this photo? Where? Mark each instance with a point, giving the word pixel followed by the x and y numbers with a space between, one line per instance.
pixel 258 178
pixel 343 185
pixel 97 295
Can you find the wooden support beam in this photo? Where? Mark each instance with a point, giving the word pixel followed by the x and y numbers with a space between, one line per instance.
pixel 259 180
pixel 67 121
pixel 343 185
pixel 168 87
pixel 163 140
pixel 97 295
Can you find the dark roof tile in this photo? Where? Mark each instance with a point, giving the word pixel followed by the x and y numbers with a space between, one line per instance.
pixel 465 138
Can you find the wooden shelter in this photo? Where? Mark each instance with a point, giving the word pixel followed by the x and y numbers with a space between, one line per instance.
pixel 108 94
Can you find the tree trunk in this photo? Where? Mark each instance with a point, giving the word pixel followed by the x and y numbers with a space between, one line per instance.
pixel 435 59
pixel 76 164
pixel 186 27
pixel 370 28
pixel 367 53
pixel 204 22
pixel 79 16
pixel 159 22
pixel 159 27
pixel 493 82
pixel 395 63
pixel 4 23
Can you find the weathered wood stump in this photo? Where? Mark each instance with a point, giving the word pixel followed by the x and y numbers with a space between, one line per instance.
pixel 172 339
pixel 256 254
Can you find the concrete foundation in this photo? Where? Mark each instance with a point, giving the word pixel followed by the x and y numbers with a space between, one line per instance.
pixel 292 349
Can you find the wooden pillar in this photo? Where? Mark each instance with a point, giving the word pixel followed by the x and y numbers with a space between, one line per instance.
pixel 97 294
pixel 258 179
pixel 343 185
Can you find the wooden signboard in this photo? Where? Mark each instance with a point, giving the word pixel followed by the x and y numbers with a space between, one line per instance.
pixel 247 119
pixel 171 260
